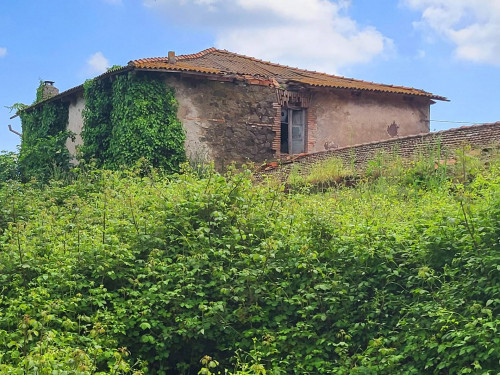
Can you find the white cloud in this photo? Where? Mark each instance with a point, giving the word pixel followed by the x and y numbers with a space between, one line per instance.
pixel 421 54
pixel 97 63
pixel 3 51
pixel 314 34
pixel 473 26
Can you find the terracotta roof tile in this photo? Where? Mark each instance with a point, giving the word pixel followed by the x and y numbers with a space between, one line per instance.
pixel 181 66
pixel 222 62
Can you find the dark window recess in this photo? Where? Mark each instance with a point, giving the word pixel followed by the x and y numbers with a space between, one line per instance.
pixel 292 131
pixel 284 131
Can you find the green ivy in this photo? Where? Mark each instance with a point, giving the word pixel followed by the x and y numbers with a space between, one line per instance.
pixel 97 130
pixel 130 118
pixel 43 149
pixel 39 92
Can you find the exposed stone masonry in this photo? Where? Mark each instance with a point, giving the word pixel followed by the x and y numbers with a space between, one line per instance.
pixel 226 121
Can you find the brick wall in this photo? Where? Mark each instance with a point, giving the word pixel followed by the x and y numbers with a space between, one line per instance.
pixel 446 141
pixel 311 130
pixel 276 145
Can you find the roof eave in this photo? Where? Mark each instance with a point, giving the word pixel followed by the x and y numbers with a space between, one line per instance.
pixel 442 98
pixel 422 93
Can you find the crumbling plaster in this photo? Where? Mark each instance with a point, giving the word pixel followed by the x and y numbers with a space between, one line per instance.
pixel 345 118
pixel 75 123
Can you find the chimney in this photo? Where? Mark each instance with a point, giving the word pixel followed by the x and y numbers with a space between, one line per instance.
pixel 171 57
pixel 49 90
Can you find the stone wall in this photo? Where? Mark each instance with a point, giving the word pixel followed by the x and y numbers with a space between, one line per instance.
pixel 446 142
pixel 226 122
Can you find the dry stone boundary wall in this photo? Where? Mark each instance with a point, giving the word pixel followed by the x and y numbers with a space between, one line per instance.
pixel 410 147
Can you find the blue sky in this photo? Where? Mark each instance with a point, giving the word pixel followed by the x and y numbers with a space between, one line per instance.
pixel 447 47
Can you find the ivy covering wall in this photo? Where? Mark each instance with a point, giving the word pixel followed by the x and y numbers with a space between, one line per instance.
pixel 43 147
pixel 132 117
pixel 97 130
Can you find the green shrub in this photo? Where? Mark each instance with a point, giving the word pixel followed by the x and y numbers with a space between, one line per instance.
pixel 9 169
pixel 368 280
pixel 43 146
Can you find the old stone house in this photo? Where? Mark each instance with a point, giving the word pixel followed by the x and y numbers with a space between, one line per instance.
pixel 238 108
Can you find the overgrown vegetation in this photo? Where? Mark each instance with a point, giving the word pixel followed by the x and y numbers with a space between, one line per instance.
pixel 98 128
pixel 133 117
pixel 43 146
pixel 115 273
pixel 8 166
pixel 322 175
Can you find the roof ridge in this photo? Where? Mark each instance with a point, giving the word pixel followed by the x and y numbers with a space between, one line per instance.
pixel 179 57
pixel 307 77
pixel 197 55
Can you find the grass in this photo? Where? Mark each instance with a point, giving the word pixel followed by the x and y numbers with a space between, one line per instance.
pixel 322 175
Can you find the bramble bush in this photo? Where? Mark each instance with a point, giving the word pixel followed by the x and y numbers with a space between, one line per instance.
pixel 8 166
pixel 123 272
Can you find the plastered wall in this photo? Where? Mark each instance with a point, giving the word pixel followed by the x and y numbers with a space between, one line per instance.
pixel 344 118
pixel 75 123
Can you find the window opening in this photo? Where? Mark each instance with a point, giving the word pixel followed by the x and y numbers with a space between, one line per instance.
pixel 292 131
pixel 284 131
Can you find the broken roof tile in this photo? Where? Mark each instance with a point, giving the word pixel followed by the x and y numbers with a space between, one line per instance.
pixel 222 62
